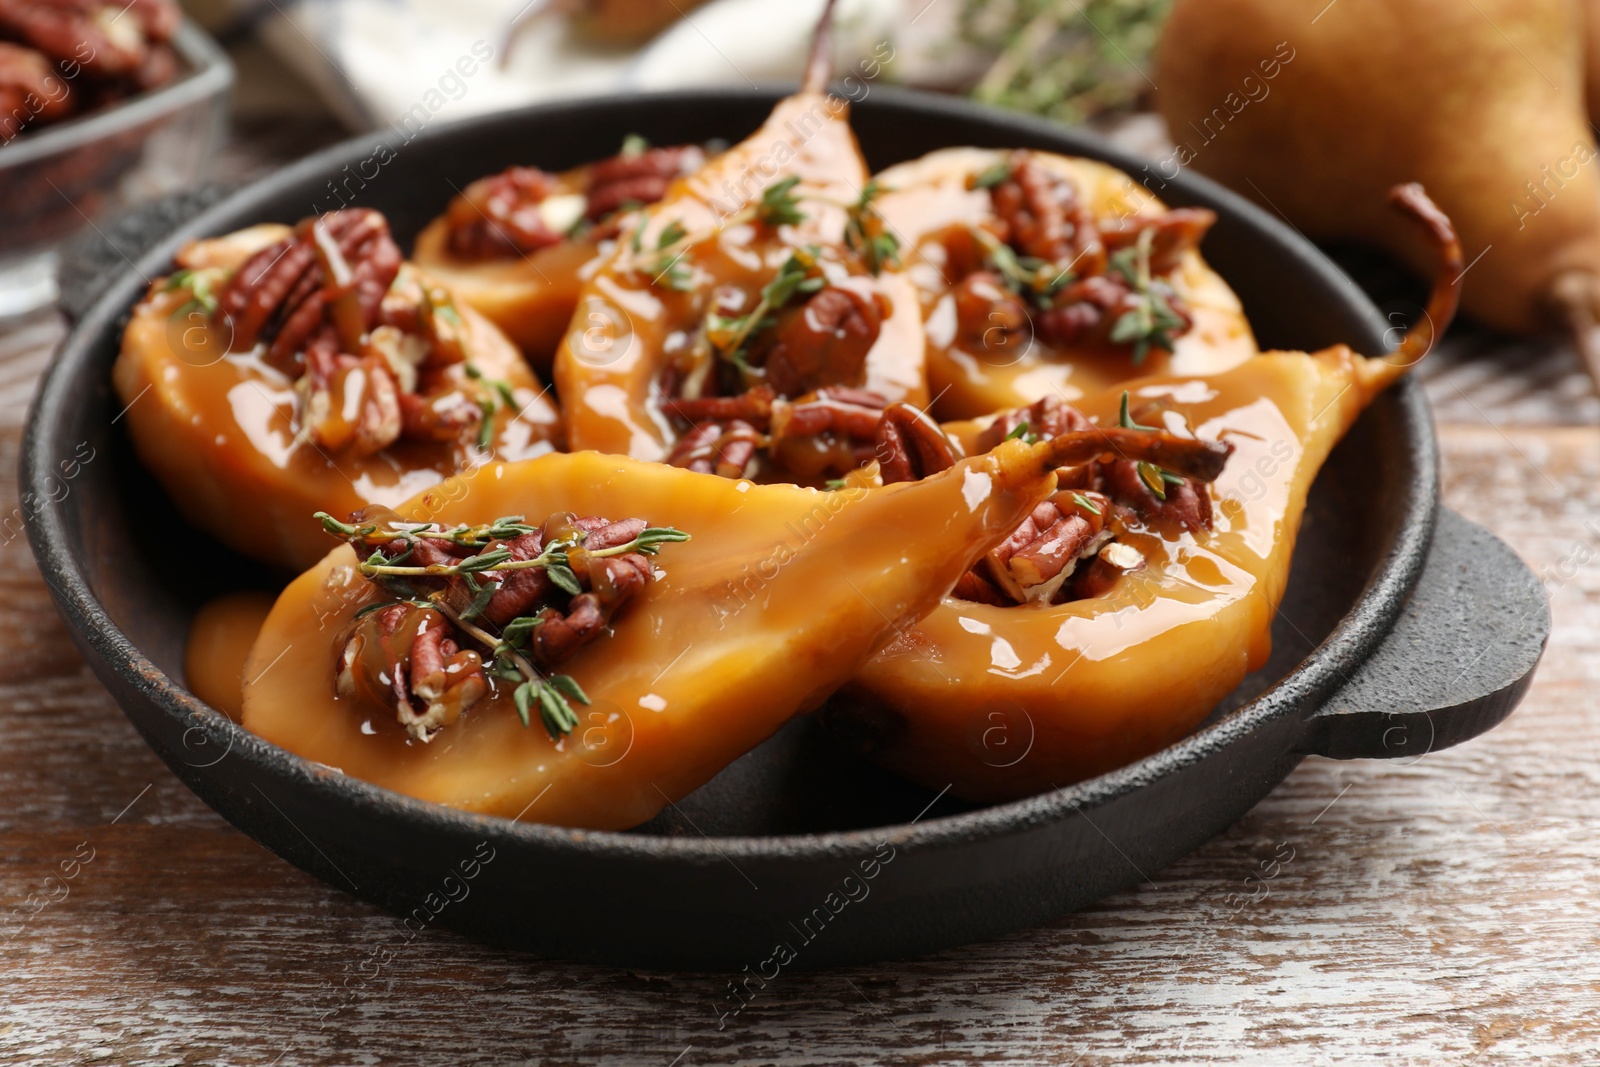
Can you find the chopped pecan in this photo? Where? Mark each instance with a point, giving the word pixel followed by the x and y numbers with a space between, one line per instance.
pixel 911 446
pixel 501 215
pixel 414 656
pixel 407 656
pixel 753 406
pixel 317 286
pixel 369 352
pixel 822 342
pixel 989 315
pixel 445 416
pixel 1047 417
pixel 351 403
pixel 724 448
pixel 1041 212
pixel 1187 502
pixel 637 178
pixel 31 90
pixel 1104 571
pixel 1083 310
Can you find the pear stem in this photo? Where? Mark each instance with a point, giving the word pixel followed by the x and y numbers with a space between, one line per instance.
pixel 819 66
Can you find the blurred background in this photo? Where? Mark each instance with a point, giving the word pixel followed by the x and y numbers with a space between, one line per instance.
pixel 1308 107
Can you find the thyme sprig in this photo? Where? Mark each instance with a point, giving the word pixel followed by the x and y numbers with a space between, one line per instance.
pixel 995 174
pixel 1021 433
pixel 778 205
pixel 502 529
pixel 667 268
pixel 509 657
pixel 1154 478
pixel 1151 322
pixel 509 662
pixel 1027 276
pixel 553 559
pixel 867 234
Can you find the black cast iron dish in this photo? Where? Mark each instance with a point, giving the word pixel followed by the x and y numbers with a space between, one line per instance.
pixel 1406 629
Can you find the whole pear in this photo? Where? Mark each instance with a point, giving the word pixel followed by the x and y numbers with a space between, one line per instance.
pixel 1316 109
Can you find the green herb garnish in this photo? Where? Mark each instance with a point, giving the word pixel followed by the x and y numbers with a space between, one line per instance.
pixel 779 205
pixel 1151 322
pixel 867 233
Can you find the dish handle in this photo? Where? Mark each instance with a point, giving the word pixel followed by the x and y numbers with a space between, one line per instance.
pixel 1456 663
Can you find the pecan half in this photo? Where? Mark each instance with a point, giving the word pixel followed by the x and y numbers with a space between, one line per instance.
pixel 911 446
pixel 637 178
pixel 1041 213
pixel 107 39
pixel 500 215
pixel 409 657
pixel 31 90
pixel 822 342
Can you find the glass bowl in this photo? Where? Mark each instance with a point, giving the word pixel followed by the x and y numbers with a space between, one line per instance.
pixel 61 179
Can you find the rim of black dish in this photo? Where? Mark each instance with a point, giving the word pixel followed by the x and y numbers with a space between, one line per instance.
pixel 1350 642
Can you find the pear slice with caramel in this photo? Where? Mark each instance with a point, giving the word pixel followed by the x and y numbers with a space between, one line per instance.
pixel 285 371
pixel 1000 695
pixel 752 322
pixel 514 245
pixel 638 676
pixel 1042 275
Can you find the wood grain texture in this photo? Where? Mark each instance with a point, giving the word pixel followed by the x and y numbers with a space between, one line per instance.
pixel 1436 913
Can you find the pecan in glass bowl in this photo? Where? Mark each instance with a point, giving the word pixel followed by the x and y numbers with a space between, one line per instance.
pixel 138 118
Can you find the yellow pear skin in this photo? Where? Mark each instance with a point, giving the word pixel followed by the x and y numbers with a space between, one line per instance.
pixel 1482 102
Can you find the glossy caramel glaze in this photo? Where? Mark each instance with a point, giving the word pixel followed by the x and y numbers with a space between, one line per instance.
pixel 1005 702
pixel 530 297
pixel 218 429
pixel 220 638
pixel 628 326
pixel 781 594
pixel 929 198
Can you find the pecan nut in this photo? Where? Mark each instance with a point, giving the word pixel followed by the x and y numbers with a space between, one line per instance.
pixel 501 215
pixel 108 40
pixel 1040 212
pixel 637 178
pixel 822 342
pixel 31 90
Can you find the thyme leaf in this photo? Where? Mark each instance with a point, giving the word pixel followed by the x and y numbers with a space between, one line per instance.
pixel 779 205
pixel 1150 323
pixel 867 233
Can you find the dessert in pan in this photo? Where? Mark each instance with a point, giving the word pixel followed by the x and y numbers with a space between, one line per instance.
pixel 533 615
pixel 1043 276
pixel 297 369
pixel 514 245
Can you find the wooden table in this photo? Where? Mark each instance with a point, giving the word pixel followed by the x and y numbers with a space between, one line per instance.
pixel 1439 913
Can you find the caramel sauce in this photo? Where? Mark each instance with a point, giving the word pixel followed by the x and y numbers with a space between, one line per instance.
pixel 219 642
pixel 781 595
pixel 218 430
pixel 929 197
pixel 1007 702
pixel 530 297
